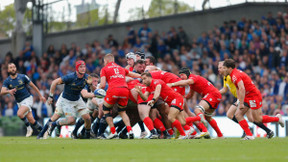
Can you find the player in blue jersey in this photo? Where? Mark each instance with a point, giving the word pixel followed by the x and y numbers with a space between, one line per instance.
pixel 95 108
pixel 70 104
pixel 16 84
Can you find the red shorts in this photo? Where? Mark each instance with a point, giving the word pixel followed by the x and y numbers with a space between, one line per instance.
pixel 117 95
pixel 177 103
pixel 179 89
pixel 213 99
pixel 253 100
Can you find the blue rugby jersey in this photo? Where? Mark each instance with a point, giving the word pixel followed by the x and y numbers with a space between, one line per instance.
pixel 20 83
pixel 73 86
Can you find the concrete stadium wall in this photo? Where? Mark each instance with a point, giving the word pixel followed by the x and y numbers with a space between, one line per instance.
pixel 194 24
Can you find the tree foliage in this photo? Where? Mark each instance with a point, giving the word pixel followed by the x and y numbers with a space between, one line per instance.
pixel 166 7
pixel 7 20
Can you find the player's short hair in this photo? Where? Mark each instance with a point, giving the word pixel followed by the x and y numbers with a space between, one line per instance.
pixel 109 57
pixel 152 59
pixel 146 74
pixel 10 63
pixel 186 71
pixel 139 62
pixel 229 63
pixel 94 75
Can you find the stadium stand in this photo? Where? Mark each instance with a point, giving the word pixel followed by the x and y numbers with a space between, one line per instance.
pixel 259 46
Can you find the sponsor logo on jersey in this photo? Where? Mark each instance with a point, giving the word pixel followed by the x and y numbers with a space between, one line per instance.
pixel 116 76
pixel 234 79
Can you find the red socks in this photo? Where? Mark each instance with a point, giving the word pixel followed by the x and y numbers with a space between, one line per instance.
pixel 268 119
pixel 214 125
pixel 129 128
pixel 201 127
pixel 178 125
pixel 190 120
pixel 113 130
pixel 159 125
pixel 149 123
pixel 186 127
pixel 170 131
pixel 243 123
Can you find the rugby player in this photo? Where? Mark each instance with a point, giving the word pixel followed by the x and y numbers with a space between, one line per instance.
pixel 70 104
pixel 249 98
pixel 117 92
pixel 228 85
pixel 208 104
pixel 16 85
pixel 172 98
pixel 93 104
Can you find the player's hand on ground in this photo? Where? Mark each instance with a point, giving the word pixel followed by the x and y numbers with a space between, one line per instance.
pixel 43 99
pixel 150 103
pixel 50 100
pixel 12 91
pixel 169 84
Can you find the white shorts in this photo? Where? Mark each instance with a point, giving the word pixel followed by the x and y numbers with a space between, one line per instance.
pixel 70 108
pixel 91 106
pixel 28 102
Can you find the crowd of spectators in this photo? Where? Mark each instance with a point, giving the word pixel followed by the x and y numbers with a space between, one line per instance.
pixel 259 47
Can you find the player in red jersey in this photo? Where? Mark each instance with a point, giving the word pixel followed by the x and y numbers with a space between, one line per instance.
pixel 208 104
pixel 172 98
pixel 117 92
pixel 168 77
pixel 249 97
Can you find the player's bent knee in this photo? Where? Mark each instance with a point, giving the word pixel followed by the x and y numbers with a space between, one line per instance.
pixel 84 112
pixel 71 120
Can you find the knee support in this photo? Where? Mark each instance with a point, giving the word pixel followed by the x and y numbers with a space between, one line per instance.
pixel 201 108
pixel 208 114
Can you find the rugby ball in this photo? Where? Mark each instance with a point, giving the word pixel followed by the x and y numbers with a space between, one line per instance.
pixel 100 93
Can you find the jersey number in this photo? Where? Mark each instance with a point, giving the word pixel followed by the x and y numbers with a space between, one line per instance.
pixel 116 71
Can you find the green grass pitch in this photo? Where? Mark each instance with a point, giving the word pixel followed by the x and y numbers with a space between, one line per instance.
pixel 230 149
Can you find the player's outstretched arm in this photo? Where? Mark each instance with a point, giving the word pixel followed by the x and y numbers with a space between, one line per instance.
pixel 134 75
pixel 156 95
pixel 87 94
pixel 52 89
pixel 223 90
pixel 102 82
pixel 190 94
pixel 33 86
pixel 143 96
pixel 5 91
pixel 181 83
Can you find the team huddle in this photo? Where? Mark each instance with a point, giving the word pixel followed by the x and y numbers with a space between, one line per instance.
pixel 159 95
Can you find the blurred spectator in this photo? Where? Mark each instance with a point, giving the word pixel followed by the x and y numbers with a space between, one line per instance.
pixel 27 50
pixel 144 32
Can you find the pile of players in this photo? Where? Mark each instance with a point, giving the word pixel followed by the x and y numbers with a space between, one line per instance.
pixel 160 98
